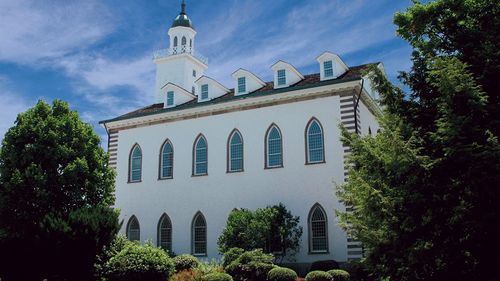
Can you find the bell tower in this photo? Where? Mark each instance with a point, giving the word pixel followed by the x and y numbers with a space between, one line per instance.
pixel 178 64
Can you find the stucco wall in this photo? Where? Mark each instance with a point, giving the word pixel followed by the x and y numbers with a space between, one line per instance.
pixel 297 185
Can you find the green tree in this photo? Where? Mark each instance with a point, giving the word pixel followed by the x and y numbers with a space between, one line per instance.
pixel 273 229
pixel 55 196
pixel 424 190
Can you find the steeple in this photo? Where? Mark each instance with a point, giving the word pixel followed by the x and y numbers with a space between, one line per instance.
pixel 182 19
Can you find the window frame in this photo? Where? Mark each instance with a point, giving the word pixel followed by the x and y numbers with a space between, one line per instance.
pixel 281 80
pixel 229 168
pixel 163 217
pixel 204 92
pixel 329 69
pixel 132 218
pixel 306 138
pixel 193 235
pixel 242 86
pixel 170 98
pixel 160 164
pixel 195 144
pixel 310 233
pixel 266 148
pixel 130 164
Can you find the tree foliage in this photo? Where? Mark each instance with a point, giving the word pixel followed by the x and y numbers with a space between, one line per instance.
pixel 55 196
pixel 424 189
pixel 273 229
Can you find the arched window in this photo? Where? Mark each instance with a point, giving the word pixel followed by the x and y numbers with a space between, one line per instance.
pixel 165 233
pixel 274 147
pixel 199 235
pixel 190 42
pixel 315 150
pixel 175 41
pixel 318 230
pixel 167 160
pixel 133 229
pixel 135 164
pixel 200 159
pixel 235 152
pixel 183 42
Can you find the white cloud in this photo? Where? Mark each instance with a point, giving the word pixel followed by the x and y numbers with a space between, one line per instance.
pixel 12 104
pixel 38 30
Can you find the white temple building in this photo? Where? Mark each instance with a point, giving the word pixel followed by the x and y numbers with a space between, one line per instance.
pixel 203 148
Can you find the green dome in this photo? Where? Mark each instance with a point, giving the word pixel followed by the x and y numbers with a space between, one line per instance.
pixel 182 19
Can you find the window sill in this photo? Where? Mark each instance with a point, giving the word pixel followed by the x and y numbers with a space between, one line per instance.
pixel 315 163
pixel 276 167
pixel 168 178
pixel 201 175
pixel 234 172
pixel 318 253
pixel 134 181
pixel 200 255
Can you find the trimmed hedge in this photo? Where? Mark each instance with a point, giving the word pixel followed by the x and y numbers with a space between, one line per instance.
pixel 318 275
pixel 185 262
pixel 252 265
pixel 281 274
pixel 324 265
pixel 339 275
pixel 219 276
pixel 136 263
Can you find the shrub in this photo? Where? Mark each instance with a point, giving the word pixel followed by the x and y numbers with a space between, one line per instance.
pixel 318 275
pixel 324 265
pixel 339 275
pixel 136 263
pixel 219 276
pixel 187 275
pixel 206 267
pixel 281 274
pixel 231 255
pixel 252 265
pixel 185 262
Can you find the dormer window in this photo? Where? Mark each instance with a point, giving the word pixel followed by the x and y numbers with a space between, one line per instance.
pixel 281 77
pixel 242 85
pixel 328 68
pixel 204 91
pixel 170 98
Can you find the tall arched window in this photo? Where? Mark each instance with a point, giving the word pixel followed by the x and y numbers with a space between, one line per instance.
pixel 175 41
pixel 165 233
pixel 190 42
pixel 167 160
pixel 318 230
pixel 135 164
pixel 235 152
pixel 183 42
pixel 200 158
pixel 274 147
pixel 199 235
pixel 315 150
pixel 133 229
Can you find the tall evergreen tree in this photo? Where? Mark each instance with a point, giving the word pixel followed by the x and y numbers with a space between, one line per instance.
pixel 55 196
pixel 425 189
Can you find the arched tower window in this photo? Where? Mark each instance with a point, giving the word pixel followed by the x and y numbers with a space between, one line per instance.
pixel 315 150
pixel 200 158
pixel 165 233
pixel 167 160
pixel 175 41
pixel 135 164
pixel 274 148
pixel 199 235
pixel 183 42
pixel 318 230
pixel 133 229
pixel 235 152
pixel 191 43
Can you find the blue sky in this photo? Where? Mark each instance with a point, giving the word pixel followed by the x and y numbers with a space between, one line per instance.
pixel 97 55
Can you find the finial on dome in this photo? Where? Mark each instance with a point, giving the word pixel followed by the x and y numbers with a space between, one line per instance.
pixel 183 7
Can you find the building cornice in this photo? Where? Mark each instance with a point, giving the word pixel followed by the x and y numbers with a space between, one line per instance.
pixel 233 106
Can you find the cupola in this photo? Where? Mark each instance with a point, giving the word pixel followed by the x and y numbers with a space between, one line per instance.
pixel 182 19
